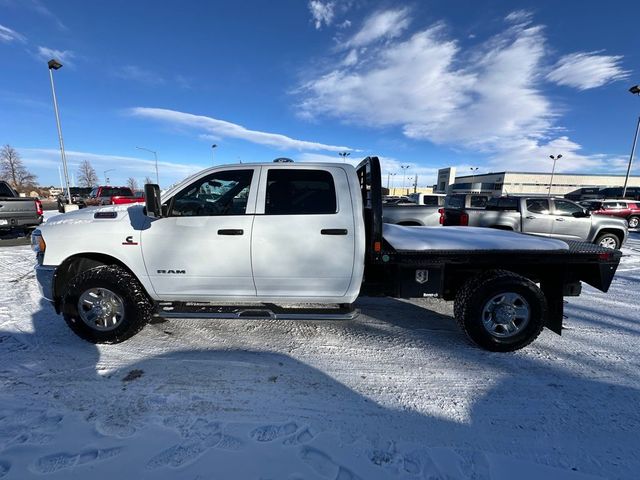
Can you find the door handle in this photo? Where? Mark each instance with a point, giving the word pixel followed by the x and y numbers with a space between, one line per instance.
pixel 530 217
pixel 231 231
pixel 559 219
pixel 333 231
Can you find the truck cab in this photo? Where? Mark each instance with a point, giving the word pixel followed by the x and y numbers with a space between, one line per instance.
pixel 286 233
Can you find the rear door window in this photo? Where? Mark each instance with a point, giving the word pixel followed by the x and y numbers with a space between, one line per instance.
pixel 430 201
pixel 538 205
pixel 478 201
pixel 116 192
pixel 5 191
pixel 300 192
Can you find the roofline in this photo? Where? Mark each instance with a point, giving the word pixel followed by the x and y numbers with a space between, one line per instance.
pixel 548 174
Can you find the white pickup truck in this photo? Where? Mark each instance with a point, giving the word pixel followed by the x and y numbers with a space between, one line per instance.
pixel 242 240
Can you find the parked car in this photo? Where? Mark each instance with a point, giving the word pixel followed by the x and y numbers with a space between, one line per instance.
pixel 107 195
pixel 627 209
pixel 428 199
pixel 16 212
pixel 78 196
pixel 551 217
pixel 110 270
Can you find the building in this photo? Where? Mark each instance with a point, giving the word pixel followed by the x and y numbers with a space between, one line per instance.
pixel 446 177
pixel 532 183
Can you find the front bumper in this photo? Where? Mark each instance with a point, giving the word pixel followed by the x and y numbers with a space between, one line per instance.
pixel 44 275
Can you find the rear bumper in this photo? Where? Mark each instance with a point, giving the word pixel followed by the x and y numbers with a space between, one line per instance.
pixel 44 276
pixel 20 222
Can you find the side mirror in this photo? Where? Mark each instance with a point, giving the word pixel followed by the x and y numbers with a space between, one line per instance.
pixel 152 200
pixel 583 214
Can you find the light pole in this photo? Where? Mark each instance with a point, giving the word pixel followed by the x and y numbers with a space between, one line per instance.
pixel 389 175
pixel 404 175
pixel 106 179
pixel 56 65
pixel 473 177
pixel 213 154
pixel 555 158
pixel 635 90
pixel 155 155
pixel 344 156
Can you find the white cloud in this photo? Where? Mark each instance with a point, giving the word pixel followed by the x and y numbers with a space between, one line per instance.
pixel 383 24
pixel 533 156
pixel 520 17
pixel 585 70
pixel 125 166
pixel 388 165
pixel 8 35
pixel 64 56
pixel 322 13
pixel 486 98
pixel 139 74
pixel 223 129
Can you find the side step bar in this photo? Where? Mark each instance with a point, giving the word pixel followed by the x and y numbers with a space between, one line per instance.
pixel 253 312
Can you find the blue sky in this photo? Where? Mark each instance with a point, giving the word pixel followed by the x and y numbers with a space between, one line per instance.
pixel 493 84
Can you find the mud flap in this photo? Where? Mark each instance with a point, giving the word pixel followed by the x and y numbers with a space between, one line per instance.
pixel 553 289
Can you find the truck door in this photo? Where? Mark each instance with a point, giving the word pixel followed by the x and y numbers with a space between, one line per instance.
pixel 304 232
pixel 566 225
pixel 536 219
pixel 202 248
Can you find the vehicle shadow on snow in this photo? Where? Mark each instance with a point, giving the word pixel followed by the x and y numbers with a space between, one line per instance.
pixel 248 407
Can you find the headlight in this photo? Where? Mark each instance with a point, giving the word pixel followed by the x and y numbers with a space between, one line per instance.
pixel 38 244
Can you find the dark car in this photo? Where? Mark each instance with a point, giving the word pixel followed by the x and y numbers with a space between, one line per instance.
pixel 16 212
pixel 78 195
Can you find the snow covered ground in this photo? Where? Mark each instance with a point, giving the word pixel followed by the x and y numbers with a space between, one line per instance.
pixel 396 393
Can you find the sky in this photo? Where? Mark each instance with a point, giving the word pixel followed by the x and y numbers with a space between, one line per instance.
pixel 497 85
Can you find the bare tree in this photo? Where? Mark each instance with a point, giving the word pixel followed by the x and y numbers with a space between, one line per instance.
pixel 87 176
pixel 13 170
pixel 132 183
pixel 147 180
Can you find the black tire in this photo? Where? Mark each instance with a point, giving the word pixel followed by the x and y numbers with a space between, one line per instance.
pixel 472 298
pixel 634 222
pixel 60 209
pixel 137 307
pixel 610 238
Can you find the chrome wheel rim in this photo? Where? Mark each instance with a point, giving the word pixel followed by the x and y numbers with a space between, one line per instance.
pixel 608 242
pixel 506 315
pixel 101 309
pixel 633 223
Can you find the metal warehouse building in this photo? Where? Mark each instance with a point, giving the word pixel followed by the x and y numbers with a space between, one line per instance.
pixel 527 183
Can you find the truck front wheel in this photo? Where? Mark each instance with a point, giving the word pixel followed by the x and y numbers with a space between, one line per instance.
pixel 106 304
pixel 608 240
pixel 501 311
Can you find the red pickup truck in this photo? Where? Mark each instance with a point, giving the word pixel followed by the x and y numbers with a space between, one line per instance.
pixel 107 195
pixel 627 209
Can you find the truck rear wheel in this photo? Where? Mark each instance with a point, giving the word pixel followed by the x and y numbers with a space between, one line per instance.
pixel 501 311
pixel 106 304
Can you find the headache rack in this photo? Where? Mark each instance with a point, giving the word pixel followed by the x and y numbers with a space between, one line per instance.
pixel 370 180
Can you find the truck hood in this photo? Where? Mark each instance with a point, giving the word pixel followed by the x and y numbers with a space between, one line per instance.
pixel 87 215
pixel 464 239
